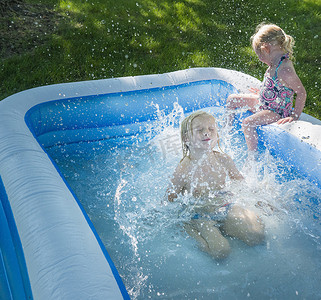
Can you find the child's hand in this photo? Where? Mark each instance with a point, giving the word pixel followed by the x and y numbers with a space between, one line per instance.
pixel 254 90
pixel 285 120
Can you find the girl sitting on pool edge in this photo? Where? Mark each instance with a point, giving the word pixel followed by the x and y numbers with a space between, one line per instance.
pixel 202 174
pixel 281 83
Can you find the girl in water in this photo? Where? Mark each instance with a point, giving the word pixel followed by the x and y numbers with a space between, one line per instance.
pixel 274 102
pixel 202 174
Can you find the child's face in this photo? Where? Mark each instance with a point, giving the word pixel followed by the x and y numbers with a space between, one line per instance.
pixel 204 133
pixel 262 54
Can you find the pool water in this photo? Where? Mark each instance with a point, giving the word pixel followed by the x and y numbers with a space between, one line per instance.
pixel 121 184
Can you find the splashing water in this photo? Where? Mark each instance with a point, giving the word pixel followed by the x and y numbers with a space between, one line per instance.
pixel 121 183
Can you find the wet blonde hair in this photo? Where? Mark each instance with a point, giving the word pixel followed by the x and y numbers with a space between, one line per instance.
pixel 274 35
pixel 186 129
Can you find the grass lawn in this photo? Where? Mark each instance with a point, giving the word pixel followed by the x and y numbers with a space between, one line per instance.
pixel 53 41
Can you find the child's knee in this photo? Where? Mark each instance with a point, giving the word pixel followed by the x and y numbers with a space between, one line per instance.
pixel 258 232
pixel 246 225
pixel 221 250
pixel 248 127
pixel 218 245
pixel 254 233
pixel 247 123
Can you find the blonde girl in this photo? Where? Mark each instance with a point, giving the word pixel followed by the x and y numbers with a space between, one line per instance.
pixel 202 174
pixel 274 103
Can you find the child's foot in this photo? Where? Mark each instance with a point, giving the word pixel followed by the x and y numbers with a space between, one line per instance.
pixel 267 208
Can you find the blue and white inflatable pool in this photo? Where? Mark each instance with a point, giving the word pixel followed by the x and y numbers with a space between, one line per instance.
pixel 49 247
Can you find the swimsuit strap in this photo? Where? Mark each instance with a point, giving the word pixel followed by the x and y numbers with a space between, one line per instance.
pixel 283 57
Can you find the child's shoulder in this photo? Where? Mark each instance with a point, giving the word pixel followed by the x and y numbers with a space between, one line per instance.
pixel 286 66
pixel 184 165
pixel 221 155
pixel 286 71
pixel 180 175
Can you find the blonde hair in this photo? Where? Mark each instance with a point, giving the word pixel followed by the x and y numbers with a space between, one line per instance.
pixel 186 130
pixel 273 34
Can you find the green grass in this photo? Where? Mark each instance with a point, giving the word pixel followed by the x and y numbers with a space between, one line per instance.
pixel 110 38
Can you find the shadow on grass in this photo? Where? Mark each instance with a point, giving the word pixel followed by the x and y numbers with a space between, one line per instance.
pixel 103 39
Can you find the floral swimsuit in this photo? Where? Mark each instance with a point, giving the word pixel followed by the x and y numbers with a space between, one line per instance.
pixel 275 96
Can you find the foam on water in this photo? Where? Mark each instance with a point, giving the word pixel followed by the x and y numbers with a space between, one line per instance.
pixel 121 184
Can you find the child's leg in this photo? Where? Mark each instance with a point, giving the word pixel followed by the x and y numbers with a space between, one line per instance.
pixel 245 225
pixel 210 237
pixel 235 101
pixel 250 123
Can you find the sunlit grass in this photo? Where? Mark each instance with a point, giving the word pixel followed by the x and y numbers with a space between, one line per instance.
pixel 106 38
pixel 71 6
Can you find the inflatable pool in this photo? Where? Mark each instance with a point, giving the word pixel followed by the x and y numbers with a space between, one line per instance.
pixel 49 246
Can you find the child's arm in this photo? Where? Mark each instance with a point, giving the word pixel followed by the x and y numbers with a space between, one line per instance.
pixel 178 181
pixel 231 168
pixel 290 79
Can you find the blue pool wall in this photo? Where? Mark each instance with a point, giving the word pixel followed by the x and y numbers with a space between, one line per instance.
pixel 119 114
pixel 14 280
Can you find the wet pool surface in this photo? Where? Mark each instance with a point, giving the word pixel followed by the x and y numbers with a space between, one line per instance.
pixel 121 184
